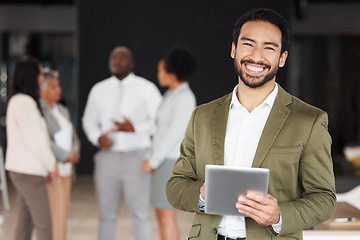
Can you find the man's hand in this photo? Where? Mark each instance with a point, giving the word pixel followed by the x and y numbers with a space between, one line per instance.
pixel 264 210
pixel 124 126
pixel 105 142
pixel 202 191
pixel 145 166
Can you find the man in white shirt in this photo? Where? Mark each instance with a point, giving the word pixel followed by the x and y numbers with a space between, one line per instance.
pixel 119 118
pixel 258 125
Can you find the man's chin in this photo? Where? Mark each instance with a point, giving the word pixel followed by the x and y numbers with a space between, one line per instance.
pixel 255 83
pixel 120 75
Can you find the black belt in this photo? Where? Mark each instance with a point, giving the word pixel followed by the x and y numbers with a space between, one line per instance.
pixel 221 237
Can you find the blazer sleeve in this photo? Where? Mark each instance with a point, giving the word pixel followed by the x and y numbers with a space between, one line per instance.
pixel 76 141
pixel 60 154
pixel 318 199
pixel 183 187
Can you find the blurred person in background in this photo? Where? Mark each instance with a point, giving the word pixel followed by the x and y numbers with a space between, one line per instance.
pixel 65 144
pixel 119 118
pixel 179 101
pixel 29 158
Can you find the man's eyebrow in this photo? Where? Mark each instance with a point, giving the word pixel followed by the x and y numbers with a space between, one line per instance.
pixel 247 39
pixel 251 40
pixel 272 43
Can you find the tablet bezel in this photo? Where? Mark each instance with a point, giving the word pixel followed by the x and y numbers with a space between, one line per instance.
pixel 221 196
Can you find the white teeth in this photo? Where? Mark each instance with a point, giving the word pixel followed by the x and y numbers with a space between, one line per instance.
pixel 256 69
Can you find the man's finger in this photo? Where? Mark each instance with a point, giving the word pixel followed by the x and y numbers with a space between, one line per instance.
pixel 257 197
pixel 244 201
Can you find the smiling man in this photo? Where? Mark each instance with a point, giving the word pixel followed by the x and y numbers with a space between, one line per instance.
pixel 258 125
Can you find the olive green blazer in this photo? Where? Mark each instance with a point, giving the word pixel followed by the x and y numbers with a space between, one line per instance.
pixel 295 145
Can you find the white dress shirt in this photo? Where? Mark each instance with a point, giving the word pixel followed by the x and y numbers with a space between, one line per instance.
pixel 28 144
pixel 60 118
pixel 243 134
pixel 134 98
pixel 172 118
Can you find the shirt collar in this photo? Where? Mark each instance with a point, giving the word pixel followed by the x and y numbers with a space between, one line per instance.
pixel 268 101
pixel 124 81
pixel 55 108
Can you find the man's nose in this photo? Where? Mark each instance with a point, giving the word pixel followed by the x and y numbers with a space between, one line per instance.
pixel 257 54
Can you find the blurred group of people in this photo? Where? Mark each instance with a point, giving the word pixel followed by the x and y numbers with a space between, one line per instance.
pixel 41 150
pixel 137 130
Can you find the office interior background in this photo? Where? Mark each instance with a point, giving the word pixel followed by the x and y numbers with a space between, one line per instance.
pixel 76 37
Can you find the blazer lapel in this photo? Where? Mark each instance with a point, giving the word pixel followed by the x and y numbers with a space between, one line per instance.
pixel 219 128
pixel 276 120
pixel 51 122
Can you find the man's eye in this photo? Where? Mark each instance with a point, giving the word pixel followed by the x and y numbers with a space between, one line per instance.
pixel 247 44
pixel 270 48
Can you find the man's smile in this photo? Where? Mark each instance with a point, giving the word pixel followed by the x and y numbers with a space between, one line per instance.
pixel 255 67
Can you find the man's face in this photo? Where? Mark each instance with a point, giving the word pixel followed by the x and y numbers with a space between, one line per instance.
pixel 121 63
pixel 257 56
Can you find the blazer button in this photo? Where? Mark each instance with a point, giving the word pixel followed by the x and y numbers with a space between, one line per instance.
pixel 214 231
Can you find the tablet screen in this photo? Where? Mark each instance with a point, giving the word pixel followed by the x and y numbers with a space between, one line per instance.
pixel 224 184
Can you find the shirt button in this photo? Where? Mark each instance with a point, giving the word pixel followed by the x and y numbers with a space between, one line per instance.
pixel 214 230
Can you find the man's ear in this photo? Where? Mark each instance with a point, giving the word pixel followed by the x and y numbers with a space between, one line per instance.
pixel 233 50
pixel 283 58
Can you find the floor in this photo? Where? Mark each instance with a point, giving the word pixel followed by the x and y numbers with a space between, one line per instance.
pixel 83 216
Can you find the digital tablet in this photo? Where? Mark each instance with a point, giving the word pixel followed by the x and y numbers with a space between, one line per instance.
pixel 224 184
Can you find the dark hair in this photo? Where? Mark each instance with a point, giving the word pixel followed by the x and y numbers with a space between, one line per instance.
pixel 25 78
pixel 180 61
pixel 267 15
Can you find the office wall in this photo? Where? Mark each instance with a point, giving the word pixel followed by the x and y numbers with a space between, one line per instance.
pixel 149 28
